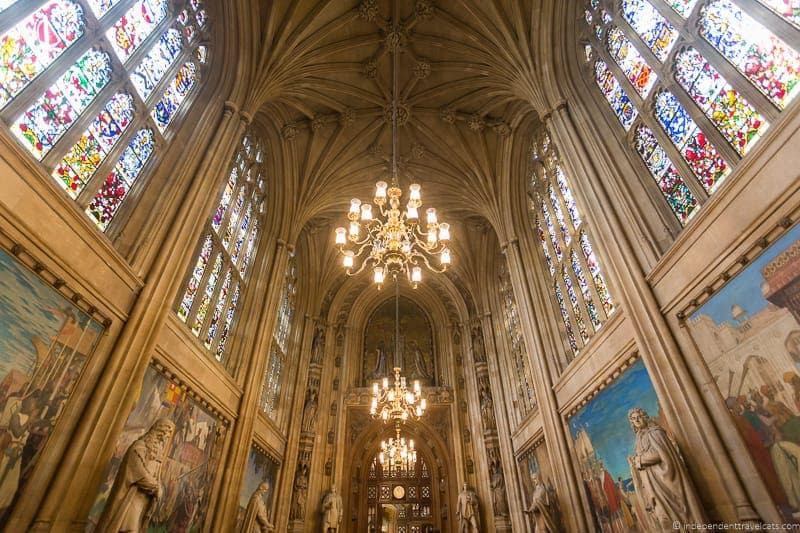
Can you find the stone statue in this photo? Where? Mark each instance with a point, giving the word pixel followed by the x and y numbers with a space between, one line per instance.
pixel 318 346
pixel 331 511
pixel 498 489
pixel 478 349
pixel 660 476
pixel 487 408
pixel 541 508
pixel 137 486
pixel 467 511
pixel 310 411
pixel 256 516
pixel 298 510
pixel 420 365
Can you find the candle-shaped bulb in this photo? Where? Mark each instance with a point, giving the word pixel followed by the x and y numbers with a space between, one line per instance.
pixel 366 212
pixel 355 228
pixel 347 260
pixel 378 273
pixel 416 274
pixel 414 192
pixel 431 212
pixel 341 237
pixel 445 257
pixel 444 232
pixel 380 190
pixel 355 206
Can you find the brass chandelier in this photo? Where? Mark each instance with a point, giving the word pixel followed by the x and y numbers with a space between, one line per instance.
pixel 398 454
pixel 390 239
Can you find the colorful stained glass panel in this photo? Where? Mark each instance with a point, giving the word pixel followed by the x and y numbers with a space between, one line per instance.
pixel 789 10
pixel 133 28
pixel 615 94
pixel 682 7
pixel 769 63
pixel 205 300
pixel 157 62
pixel 223 335
pixel 657 33
pixel 101 7
pixel 194 281
pixel 630 61
pixel 166 108
pixel 678 195
pixel 43 124
pixel 594 269
pixel 115 188
pixel 222 299
pixel 28 48
pixel 82 160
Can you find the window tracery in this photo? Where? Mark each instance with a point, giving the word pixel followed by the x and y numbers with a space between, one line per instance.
pixel 79 120
pixel 276 362
pixel 213 289
pixel 695 82
pixel 576 279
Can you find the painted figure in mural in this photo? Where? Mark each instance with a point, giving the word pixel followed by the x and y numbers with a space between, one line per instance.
pixel 256 516
pixel 660 476
pixel 381 362
pixel 467 511
pixel 331 511
pixel 541 508
pixel 298 510
pixel 310 410
pixel 318 346
pixel 498 489
pixel 137 487
pixel 478 349
pixel 16 424
pixel 420 365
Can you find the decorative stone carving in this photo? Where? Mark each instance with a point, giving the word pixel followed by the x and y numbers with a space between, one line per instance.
pixel 137 488
pixel 347 117
pixel 317 122
pixel 541 508
pixel 256 516
pixel 289 131
pixel 368 10
pixel 370 69
pixel 332 511
pixel 418 151
pixel 310 410
pixel 403 113
pixel 478 348
pixel 476 122
pixel 422 69
pixel 487 406
pixel 395 39
pixel 424 9
pixel 467 511
pixel 298 507
pixel 498 485
pixel 660 476
pixel 502 129
pixel 318 345
pixel 448 115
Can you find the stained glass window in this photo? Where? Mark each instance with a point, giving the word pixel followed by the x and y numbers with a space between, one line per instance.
pixel 615 94
pixel 733 116
pixel 579 287
pixel 211 294
pixel 630 61
pixel 651 26
pixel 526 399
pixel 696 161
pixel 87 89
pixel 35 43
pixel 769 63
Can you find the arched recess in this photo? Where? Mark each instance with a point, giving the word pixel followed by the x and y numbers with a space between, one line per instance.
pixel 366 444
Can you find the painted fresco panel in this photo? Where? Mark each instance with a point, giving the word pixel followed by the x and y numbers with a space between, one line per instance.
pixel 187 474
pixel 416 343
pixel 260 468
pixel 602 442
pixel 749 336
pixel 45 341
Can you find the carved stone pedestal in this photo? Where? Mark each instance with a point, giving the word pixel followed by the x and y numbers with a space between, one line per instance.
pixel 502 523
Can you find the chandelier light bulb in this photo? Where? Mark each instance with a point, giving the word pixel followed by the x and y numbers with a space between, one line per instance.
pixel 444 232
pixel 416 274
pixel 355 229
pixel 445 257
pixel 347 260
pixel 432 237
pixel 406 247
pixel 412 213
pixel 419 410
pixel 375 390
pixel 414 192
pixel 410 397
pixel 341 236
pixel 380 190
pixel 431 212
pixel 385 383
pixel 423 404
pixel 355 206
pixel 378 275
pixel 366 212
pixel 385 415
pixel 391 395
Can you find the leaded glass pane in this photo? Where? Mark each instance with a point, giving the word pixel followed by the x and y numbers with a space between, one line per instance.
pixel 655 30
pixel 619 101
pixel 168 106
pixel 789 10
pixel 157 62
pixel 682 7
pixel 630 61
pixel 135 26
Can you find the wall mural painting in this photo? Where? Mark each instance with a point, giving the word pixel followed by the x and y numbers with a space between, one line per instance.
pixel 260 469
pixel 603 442
pixel 749 335
pixel 45 341
pixel 541 502
pixel 416 343
pixel 172 440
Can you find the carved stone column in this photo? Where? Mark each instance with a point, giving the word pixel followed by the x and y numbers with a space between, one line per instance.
pixel 249 404
pixel 300 512
pixel 74 486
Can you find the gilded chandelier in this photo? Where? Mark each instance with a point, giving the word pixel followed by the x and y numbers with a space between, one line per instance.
pixel 398 454
pixel 397 403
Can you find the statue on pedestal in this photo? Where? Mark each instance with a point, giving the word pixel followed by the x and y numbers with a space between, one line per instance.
pixel 478 349
pixel 541 508
pixel 256 517
pixel 318 346
pixel 310 411
pixel 498 489
pixel 467 511
pixel 298 509
pixel 331 511
pixel 660 476
pixel 137 486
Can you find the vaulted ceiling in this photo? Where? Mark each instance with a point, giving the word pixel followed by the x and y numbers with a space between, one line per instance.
pixel 320 79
